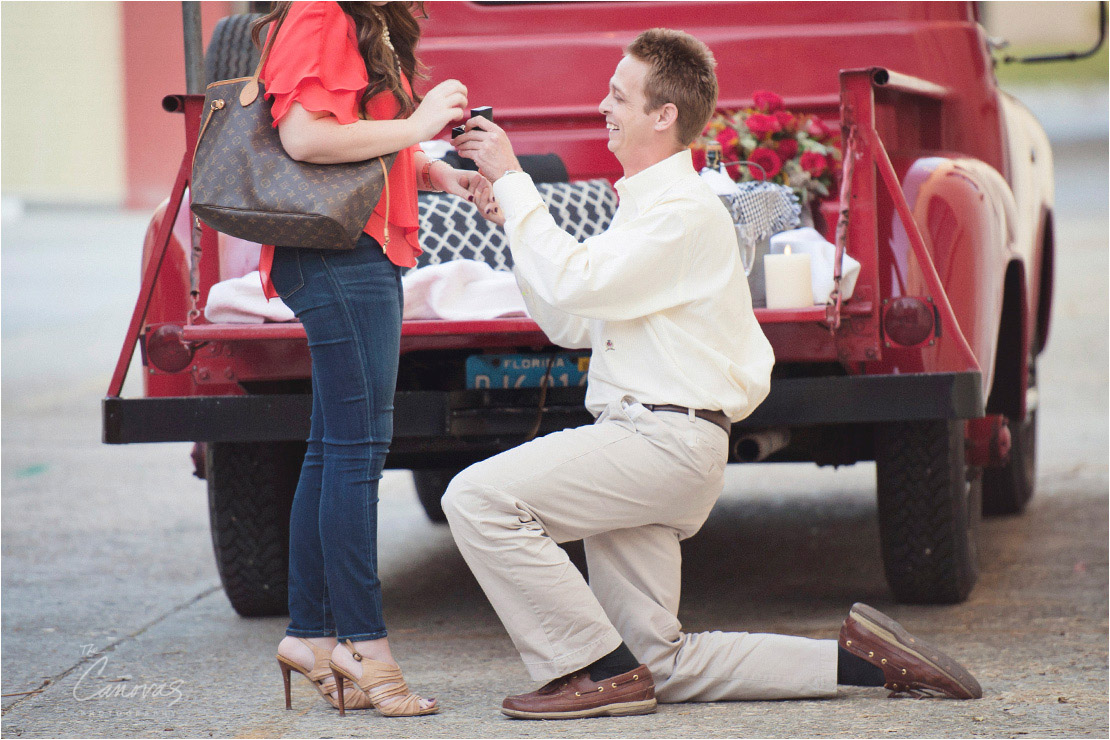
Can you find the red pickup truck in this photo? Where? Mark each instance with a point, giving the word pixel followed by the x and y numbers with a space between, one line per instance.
pixel 929 369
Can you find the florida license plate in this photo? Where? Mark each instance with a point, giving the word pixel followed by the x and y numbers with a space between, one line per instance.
pixel 526 371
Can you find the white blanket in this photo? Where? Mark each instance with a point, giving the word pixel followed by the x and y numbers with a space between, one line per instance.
pixel 241 301
pixel 461 290
pixel 822 256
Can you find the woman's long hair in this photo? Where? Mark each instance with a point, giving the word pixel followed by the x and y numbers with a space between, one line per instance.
pixel 381 63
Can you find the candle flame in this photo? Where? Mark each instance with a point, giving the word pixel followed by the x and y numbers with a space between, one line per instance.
pixel 786 250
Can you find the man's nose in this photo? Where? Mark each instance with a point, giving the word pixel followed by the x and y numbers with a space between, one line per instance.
pixel 603 106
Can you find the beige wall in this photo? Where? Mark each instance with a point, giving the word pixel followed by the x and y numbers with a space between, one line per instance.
pixel 1037 23
pixel 61 122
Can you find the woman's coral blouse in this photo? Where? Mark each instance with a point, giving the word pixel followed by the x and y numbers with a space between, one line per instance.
pixel 315 61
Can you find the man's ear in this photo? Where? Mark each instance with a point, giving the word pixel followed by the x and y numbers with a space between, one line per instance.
pixel 666 117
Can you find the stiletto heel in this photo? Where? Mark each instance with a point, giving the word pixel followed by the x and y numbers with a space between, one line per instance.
pixel 341 682
pixel 380 683
pixel 285 679
pixel 321 677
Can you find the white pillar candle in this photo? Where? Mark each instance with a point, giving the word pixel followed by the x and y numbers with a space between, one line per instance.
pixel 787 280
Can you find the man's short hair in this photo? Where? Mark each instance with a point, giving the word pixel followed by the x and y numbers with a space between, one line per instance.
pixel 681 71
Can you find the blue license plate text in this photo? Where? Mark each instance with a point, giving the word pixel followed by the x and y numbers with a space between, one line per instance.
pixel 526 371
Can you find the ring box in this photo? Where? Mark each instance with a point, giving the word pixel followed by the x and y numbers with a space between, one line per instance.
pixel 484 111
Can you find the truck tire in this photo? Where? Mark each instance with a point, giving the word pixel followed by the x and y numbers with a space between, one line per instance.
pixel 231 53
pixel 250 494
pixel 1008 489
pixel 430 486
pixel 929 511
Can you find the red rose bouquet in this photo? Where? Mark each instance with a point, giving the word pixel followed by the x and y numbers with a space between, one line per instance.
pixel 799 151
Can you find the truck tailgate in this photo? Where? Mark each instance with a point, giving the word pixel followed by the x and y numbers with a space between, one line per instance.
pixel 522 331
pixel 415 335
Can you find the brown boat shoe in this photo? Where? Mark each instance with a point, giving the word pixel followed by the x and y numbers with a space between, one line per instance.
pixel 576 696
pixel 909 665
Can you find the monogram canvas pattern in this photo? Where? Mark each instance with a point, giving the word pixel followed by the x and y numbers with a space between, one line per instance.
pixel 245 185
pixel 451 229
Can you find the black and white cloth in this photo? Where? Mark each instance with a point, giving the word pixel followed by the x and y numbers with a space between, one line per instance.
pixel 452 229
pixel 765 208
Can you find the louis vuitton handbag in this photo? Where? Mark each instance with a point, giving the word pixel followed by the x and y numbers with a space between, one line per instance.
pixel 245 185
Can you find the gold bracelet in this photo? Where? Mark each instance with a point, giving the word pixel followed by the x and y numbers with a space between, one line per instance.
pixel 426 176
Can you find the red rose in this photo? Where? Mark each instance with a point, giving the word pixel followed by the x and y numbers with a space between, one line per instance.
pixel 762 125
pixel 787 120
pixel 814 163
pixel 698 156
pixel 767 101
pixel 730 143
pixel 816 128
pixel 788 149
pixel 766 159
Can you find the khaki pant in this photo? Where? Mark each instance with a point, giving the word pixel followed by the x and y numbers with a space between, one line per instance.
pixel 631 486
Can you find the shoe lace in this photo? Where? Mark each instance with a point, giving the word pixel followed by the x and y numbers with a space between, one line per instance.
pixel 916 693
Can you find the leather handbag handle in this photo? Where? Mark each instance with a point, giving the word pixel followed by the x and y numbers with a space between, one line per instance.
pixel 249 93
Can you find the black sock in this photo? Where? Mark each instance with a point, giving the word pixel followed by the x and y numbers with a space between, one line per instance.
pixel 852 670
pixel 615 663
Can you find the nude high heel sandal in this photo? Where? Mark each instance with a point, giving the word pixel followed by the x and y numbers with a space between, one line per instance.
pixel 375 685
pixel 321 677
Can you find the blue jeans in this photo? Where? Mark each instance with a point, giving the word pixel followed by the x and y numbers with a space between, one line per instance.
pixel 350 304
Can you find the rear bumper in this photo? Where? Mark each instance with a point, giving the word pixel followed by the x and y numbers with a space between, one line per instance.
pixel 462 424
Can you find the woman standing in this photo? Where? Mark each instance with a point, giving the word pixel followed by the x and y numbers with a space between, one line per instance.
pixel 340 75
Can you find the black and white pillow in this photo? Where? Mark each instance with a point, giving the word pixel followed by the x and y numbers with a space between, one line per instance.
pixel 451 229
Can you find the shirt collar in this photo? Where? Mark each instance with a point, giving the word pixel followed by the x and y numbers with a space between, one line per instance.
pixel 647 186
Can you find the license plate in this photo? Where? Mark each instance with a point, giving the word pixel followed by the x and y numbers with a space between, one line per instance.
pixel 526 371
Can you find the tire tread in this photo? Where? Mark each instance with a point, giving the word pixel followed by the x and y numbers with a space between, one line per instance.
pixel 928 511
pixel 250 495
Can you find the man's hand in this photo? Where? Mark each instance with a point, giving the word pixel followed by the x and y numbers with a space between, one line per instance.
pixel 486 143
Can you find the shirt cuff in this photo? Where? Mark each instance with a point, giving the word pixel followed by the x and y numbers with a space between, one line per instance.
pixel 517 194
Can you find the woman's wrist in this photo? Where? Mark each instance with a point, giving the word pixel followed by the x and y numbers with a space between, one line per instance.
pixel 426 175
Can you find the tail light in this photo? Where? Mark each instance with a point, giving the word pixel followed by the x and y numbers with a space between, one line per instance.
pixel 167 350
pixel 909 321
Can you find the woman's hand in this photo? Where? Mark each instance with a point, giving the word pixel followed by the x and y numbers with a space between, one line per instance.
pixel 463 183
pixel 444 103
pixel 487 204
pixel 486 143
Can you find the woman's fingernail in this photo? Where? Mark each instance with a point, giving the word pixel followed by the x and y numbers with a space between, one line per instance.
pixel 470 198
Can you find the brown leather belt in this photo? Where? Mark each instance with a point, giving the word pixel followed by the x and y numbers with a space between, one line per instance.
pixel 717 417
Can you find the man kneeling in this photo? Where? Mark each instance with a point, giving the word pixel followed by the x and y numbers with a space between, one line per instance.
pixel 662 301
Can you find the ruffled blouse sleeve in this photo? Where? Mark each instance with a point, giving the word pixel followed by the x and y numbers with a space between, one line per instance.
pixel 315 62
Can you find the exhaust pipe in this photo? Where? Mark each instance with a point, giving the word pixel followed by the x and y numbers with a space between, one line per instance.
pixel 758 446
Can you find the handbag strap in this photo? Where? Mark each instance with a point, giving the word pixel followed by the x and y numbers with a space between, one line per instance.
pixel 385 221
pixel 249 93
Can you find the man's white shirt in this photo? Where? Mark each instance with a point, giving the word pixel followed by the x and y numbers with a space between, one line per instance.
pixel 660 297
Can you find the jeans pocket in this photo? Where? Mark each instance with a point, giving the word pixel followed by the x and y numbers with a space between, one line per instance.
pixel 285 272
